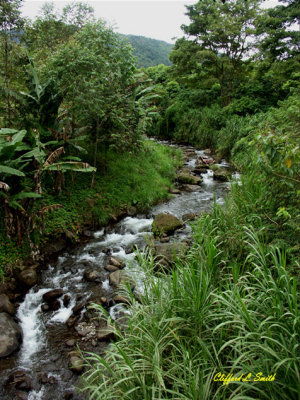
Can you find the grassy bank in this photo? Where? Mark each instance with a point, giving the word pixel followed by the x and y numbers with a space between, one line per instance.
pixel 122 181
pixel 229 307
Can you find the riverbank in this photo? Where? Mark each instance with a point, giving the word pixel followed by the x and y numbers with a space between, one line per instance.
pixel 124 183
pixel 55 316
pixel 227 309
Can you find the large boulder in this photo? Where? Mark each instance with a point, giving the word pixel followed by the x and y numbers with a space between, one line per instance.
pixel 222 175
pixel 92 275
pixel 5 305
pixel 52 295
pixel 10 335
pixel 167 253
pixel 191 188
pixel 117 262
pixel 204 161
pixel 28 277
pixel 184 177
pixel 119 277
pixel 165 224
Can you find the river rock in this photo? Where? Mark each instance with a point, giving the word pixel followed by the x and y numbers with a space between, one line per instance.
pixel 92 276
pixel 203 161
pixel 110 268
pixel 165 223
pixel 105 334
pixel 174 191
pixel 190 216
pixel 222 175
pixel 208 152
pixel 188 178
pixel 119 277
pixel 191 188
pixel 52 295
pixel 84 329
pixel 166 253
pixel 76 364
pixel 21 396
pixel 28 277
pixel 117 262
pixel 121 299
pixel 214 167
pixel 55 247
pixel 71 342
pixel 5 305
pixel 10 335
pixel 200 170
pixel 78 307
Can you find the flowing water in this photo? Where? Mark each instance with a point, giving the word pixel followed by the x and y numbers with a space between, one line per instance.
pixel 44 353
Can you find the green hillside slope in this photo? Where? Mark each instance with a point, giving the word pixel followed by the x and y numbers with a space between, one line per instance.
pixel 149 52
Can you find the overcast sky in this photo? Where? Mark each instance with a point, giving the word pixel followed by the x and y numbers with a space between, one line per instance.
pixel 152 18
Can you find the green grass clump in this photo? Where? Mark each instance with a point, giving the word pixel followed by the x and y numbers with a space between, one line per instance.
pixel 208 316
pixel 230 306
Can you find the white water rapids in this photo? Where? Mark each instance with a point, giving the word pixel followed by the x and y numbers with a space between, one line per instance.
pixel 67 274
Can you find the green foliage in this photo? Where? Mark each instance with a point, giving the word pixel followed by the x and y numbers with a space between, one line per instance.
pixel 196 322
pixel 138 180
pixel 149 52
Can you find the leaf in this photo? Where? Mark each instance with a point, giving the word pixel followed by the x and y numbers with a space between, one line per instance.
pixel 288 162
pixel 70 165
pixel 54 156
pixel 10 171
pixel 26 195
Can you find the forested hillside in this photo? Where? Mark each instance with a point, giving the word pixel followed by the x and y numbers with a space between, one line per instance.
pixel 220 318
pixel 149 52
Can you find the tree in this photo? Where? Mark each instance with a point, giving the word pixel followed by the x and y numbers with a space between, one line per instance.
pixel 277 28
pixel 53 28
pixel 10 24
pixel 95 71
pixel 222 35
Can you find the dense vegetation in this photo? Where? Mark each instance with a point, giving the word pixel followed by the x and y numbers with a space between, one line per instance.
pixel 149 52
pixel 72 101
pixel 231 305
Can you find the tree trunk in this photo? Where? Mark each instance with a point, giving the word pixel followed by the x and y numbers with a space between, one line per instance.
pixel 95 151
pixel 6 78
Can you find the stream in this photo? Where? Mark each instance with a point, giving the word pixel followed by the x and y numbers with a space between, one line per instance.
pixel 41 368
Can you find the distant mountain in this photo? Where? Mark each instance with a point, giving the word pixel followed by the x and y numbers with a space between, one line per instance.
pixel 149 52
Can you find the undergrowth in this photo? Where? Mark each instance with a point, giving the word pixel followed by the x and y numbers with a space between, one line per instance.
pixel 230 306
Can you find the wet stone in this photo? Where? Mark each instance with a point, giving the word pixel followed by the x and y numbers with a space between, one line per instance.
pixel 191 188
pixel 70 343
pixel 117 262
pixel 21 396
pixel 10 335
pixel 5 305
pixel 66 300
pixel 76 364
pixel 111 268
pixel 52 295
pixel 174 191
pixel 105 334
pixel 78 307
pixel 68 395
pixel 92 276
pixel 45 307
pixel 28 277
pixel 121 299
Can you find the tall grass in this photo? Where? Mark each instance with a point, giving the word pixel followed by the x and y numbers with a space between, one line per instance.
pixel 209 315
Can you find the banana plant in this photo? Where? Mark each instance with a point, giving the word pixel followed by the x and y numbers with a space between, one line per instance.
pixel 11 176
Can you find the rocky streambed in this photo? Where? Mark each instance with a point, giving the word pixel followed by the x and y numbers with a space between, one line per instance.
pixel 41 331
